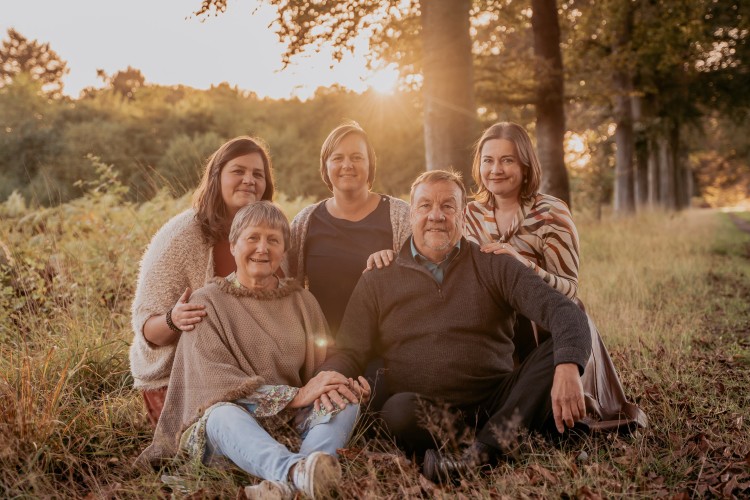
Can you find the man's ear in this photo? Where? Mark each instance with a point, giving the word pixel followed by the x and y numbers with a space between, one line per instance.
pixel 231 249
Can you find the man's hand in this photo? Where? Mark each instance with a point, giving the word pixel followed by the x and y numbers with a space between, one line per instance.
pixel 568 405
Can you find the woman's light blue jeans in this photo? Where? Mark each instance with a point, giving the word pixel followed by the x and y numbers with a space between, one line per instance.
pixel 234 433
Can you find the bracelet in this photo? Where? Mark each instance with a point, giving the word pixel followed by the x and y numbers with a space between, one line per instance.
pixel 170 324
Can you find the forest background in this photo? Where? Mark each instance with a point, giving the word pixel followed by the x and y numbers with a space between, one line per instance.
pixel 653 96
pixel 668 80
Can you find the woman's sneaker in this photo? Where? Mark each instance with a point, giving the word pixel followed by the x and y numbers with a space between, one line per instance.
pixel 269 490
pixel 317 475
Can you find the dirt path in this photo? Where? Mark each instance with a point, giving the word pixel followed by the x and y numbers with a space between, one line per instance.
pixel 742 224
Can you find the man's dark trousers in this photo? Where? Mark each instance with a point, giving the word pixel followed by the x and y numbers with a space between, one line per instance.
pixel 522 397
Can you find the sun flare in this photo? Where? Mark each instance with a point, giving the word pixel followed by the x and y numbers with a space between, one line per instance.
pixel 577 152
pixel 384 80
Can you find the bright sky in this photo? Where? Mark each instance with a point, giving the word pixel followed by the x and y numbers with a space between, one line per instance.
pixel 160 38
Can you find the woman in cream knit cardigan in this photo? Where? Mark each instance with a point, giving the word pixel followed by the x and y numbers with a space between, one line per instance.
pixel 247 372
pixel 189 250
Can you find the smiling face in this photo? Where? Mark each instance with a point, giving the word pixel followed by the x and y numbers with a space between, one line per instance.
pixel 258 252
pixel 348 166
pixel 436 218
pixel 243 181
pixel 500 169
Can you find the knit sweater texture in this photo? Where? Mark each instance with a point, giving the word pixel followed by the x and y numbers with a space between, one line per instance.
pixel 175 259
pixel 247 339
pixel 294 263
pixel 454 340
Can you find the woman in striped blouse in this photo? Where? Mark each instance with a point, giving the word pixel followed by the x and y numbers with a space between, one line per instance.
pixel 509 216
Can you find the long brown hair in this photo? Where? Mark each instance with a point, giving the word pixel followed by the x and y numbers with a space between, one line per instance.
pixel 210 209
pixel 530 167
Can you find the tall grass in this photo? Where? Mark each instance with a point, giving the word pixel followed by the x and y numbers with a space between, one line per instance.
pixel 669 292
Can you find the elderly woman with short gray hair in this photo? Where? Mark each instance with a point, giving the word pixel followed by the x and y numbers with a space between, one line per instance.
pixel 248 370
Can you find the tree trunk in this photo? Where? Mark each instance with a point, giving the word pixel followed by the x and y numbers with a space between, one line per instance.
pixel 623 108
pixel 550 111
pixel 682 190
pixel 668 194
pixel 450 121
pixel 653 173
pixel 641 172
pixel 624 175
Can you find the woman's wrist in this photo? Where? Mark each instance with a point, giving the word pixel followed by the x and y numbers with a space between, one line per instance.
pixel 157 333
pixel 296 400
pixel 170 323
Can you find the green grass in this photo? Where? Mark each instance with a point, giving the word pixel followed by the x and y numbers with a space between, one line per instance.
pixel 669 292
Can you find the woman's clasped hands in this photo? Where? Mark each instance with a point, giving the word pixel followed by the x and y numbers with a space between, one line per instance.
pixel 331 390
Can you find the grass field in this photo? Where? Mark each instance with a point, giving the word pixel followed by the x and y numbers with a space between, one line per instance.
pixel 669 292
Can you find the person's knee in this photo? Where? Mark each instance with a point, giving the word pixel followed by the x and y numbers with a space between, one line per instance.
pixel 401 413
pixel 404 415
pixel 223 417
pixel 348 414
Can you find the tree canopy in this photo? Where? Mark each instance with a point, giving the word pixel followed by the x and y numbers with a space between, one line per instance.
pixel 19 55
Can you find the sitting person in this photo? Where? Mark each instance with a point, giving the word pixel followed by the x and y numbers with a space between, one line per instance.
pixel 247 370
pixel 187 251
pixel 509 216
pixel 441 317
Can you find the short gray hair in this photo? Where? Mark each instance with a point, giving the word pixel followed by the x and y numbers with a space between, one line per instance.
pixel 432 176
pixel 260 213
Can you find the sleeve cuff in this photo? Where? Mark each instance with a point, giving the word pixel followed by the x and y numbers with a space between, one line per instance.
pixel 269 400
pixel 571 355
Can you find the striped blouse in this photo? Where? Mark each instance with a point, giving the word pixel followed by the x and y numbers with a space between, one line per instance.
pixel 542 231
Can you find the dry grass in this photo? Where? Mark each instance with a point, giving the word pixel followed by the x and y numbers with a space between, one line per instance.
pixel 669 292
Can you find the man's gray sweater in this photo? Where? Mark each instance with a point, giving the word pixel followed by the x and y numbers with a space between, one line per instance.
pixel 452 341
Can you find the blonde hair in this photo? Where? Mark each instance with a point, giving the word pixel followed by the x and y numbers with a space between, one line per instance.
pixel 332 142
pixel 530 167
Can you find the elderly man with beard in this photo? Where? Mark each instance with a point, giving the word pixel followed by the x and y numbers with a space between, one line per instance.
pixel 441 317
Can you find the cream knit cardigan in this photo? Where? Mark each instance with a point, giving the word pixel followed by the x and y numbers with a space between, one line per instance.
pixel 175 259
pixel 294 263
